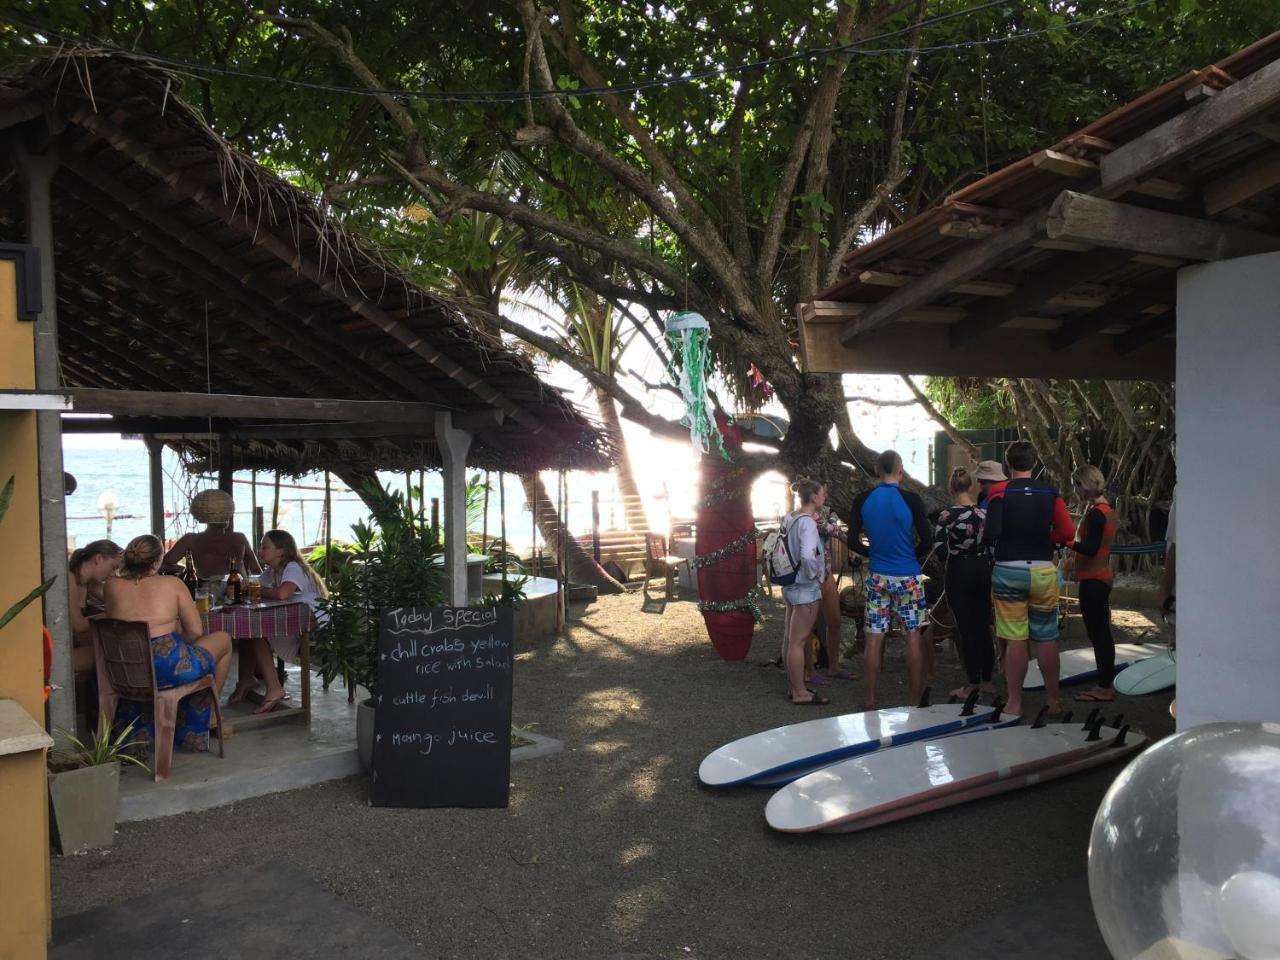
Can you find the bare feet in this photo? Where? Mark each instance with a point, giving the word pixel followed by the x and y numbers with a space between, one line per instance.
pixel 240 694
pixel 1013 709
pixel 962 692
pixel 270 702
pixel 1097 695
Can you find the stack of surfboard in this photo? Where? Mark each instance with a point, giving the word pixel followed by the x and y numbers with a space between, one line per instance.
pixel 840 774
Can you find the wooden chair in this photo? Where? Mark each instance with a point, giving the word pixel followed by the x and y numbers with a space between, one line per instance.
pixel 657 562
pixel 127 672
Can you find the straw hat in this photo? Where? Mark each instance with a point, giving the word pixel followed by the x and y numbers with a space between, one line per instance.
pixel 987 470
pixel 213 506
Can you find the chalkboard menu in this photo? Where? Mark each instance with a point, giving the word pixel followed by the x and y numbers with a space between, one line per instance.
pixel 442 728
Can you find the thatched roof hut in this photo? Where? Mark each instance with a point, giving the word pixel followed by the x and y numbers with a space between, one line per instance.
pixel 183 265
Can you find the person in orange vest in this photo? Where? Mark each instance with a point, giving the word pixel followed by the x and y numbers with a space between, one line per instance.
pixel 1092 548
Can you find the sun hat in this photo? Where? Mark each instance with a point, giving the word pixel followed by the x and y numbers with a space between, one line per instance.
pixel 213 506
pixel 990 470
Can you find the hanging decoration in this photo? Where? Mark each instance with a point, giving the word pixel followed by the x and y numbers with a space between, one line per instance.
pixel 728 550
pixel 689 334
pixel 749 604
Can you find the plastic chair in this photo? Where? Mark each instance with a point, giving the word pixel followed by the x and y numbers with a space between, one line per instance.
pixel 658 562
pixel 127 672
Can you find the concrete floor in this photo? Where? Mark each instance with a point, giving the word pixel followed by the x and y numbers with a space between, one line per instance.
pixel 279 756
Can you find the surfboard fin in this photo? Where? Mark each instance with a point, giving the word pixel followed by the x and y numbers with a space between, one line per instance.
pixel 1119 740
pixel 996 706
pixel 1117 722
pixel 1095 732
pixel 1088 721
pixel 969 703
pixel 1041 718
pixel 953 699
pixel 1066 717
pixel 924 697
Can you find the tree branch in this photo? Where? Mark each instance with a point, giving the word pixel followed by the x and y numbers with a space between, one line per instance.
pixel 877 401
pixel 958 438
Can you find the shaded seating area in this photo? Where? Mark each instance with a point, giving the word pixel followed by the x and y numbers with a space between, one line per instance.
pixel 181 293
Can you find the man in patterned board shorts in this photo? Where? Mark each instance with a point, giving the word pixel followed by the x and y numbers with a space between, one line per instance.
pixel 898 528
pixel 1026 521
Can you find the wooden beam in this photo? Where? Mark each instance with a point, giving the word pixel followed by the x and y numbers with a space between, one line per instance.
pixel 979 258
pixel 1164 188
pixel 1063 274
pixel 1123 310
pixel 980 288
pixel 968 229
pixel 926 349
pixel 1076 216
pixel 1146 332
pixel 161 404
pixel 145 157
pixel 1051 161
pixel 1249 99
pixel 1242 184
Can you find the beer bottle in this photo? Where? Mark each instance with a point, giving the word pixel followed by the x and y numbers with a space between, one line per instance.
pixel 189 577
pixel 234 583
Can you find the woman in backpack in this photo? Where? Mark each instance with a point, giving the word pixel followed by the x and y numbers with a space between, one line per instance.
pixel 804 596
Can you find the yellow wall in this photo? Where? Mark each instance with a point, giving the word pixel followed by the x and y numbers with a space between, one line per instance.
pixel 24 807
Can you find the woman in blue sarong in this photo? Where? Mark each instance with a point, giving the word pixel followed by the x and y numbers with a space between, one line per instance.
pixel 179 652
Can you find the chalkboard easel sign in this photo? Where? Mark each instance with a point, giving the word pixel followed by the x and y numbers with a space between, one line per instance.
pixel 442 727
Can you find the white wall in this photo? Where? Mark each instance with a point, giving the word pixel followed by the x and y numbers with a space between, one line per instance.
pixel 1228 475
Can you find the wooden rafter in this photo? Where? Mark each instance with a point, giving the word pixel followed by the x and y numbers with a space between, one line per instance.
pixel 161 403
pixel 1242 185
pixel 1106 223
pixel 1121 311
pixel 1146 332
pixel 148 159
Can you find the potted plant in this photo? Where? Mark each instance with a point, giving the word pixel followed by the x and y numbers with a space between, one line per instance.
pixel 84 786
pixel 394 565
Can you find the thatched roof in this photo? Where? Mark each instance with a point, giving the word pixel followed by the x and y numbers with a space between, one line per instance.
pixel 184 265
pixel 1064 263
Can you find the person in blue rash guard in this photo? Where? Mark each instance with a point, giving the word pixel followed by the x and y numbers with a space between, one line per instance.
pixel 900 536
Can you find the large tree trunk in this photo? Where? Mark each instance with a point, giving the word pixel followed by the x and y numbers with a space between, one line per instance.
pixel 631 503
pixel 582 567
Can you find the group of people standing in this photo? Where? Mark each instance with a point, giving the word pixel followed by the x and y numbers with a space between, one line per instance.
pixel 996 540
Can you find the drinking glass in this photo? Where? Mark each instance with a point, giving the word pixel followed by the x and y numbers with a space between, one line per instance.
pixel 255 590
pixel 202 601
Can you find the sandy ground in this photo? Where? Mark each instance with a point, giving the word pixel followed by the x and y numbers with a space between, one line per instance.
pixel 611 849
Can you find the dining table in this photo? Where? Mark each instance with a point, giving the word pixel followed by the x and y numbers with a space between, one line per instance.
pixel 268 619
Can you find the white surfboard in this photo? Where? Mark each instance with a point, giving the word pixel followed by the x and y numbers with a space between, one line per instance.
pixel 1079 664
pixel 1133 743
pixel 803 746
pixel 1148 676
pixel 871 785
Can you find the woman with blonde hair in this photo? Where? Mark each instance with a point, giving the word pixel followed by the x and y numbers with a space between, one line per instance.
pixel 285 576
pixel 958 545
pixel 804 596
pixel 1092 546
pixel 178 651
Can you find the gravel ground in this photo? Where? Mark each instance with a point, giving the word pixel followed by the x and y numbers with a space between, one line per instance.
pixel 611 849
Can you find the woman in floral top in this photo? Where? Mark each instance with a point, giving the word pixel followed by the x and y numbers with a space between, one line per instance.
pixel 958 539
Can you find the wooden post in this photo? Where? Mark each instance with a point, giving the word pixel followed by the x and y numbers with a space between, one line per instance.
pixel 502 520
pixel 155 472
pixel 408 494
pixel 453 445
pixel 275 504
pixel 535 555
pixel 253 507
pixel 36 170
pixel 435 519
pixel 422 498
pixel 595 525
pixel 328 525
pixel 484 520
pixel 258 528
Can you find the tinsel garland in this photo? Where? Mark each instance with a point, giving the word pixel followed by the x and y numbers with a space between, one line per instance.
pixel 750 603
pixel 689 335
pixel 728 550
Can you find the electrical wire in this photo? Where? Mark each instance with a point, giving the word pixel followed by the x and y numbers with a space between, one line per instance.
pixel 514 96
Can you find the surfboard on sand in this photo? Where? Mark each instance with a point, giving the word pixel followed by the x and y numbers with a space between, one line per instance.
pixel 1132 743
pixel 1148 676
pixel 1079 665
pixel 875 784
pixel 798 747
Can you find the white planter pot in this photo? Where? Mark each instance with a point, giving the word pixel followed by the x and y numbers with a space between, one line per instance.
pixel 364 733
pixel 85 803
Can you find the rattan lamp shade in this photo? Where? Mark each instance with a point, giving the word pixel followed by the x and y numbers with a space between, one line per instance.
pixel 213 506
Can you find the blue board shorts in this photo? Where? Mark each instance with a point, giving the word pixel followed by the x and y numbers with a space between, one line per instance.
pixel 901 597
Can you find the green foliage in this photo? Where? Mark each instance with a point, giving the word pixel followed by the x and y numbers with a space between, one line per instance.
pixel 511 594
pixel 105 746
pixel 392 565
pixel 6 497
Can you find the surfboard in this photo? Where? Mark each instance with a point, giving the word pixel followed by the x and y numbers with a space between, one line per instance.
pixel 865 786
pixel 774 781
pixel 1079 664
pixel 1148 676
pixel 1133 743
pixel 799 747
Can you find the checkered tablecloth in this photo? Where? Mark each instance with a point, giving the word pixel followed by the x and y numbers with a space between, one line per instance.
pixel 275 620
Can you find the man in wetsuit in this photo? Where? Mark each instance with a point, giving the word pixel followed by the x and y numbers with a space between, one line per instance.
pixel 898 528
pixel 1026 522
